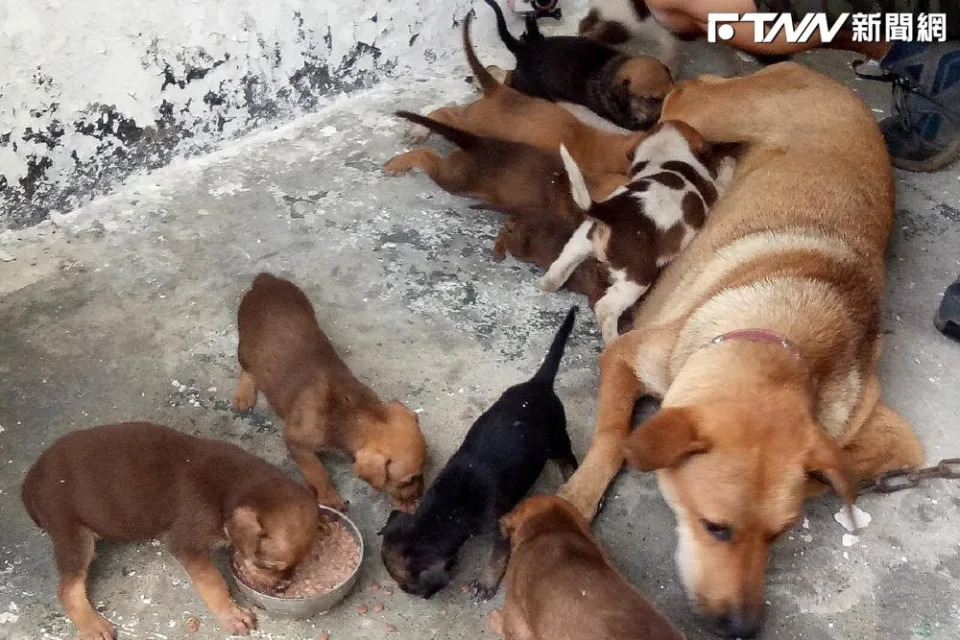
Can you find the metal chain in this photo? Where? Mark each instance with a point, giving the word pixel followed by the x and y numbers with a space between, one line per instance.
pixel 900 479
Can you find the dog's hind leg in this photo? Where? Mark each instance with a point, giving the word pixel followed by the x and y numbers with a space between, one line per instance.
pixel 73 550
pixel 578 248
pixel 883 443
pixel 633 365
pixel 561 452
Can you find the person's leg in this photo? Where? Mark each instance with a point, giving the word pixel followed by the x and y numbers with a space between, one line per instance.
pixel 923 134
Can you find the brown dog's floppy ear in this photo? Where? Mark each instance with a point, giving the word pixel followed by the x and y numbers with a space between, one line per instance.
pixel 663 440
pixel 698 145
pixel 825 464
pixel 244 530
pixel 371 466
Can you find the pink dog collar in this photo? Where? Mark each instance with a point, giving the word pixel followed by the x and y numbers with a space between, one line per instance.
pixel 757 335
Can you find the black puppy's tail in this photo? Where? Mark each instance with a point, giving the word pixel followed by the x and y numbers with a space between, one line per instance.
pixel 459 137
pixel 512 43
pixel 533 29
pixel 548 370
pixel 486 80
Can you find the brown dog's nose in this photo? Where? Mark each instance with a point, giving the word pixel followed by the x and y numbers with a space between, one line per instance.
pixel 743 623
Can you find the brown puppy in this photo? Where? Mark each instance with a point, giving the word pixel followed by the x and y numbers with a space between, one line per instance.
pixel 137 481
pixel 561 586
pixel 284 353
pixel 507 114
pixel 762 337
pixel 539 242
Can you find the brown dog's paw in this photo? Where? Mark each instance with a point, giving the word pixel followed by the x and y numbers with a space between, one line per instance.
pixel 237 620
pixel 399 165
pixel 97 628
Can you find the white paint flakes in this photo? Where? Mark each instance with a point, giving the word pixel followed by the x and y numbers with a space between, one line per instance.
pixel 848 540
pixel 8 616
pixel 860 518
pixel 806 522
pixel 328 131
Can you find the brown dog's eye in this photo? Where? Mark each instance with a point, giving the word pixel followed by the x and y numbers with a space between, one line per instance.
pixel 721 532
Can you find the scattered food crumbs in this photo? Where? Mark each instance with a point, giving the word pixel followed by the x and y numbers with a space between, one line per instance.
pixel 374 586
pixel 323 636
pixel 389 628
pixel 193 625
pixel 465 588
pixel 388 591
pixel 377 608
pixel 362 609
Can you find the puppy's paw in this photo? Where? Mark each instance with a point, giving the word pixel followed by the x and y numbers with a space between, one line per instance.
pixel 550 284
pixel 244 398
pixel 495 621
pixel 334 501
pixel 96 628
pixel 237 620
pixel 479 590
pixel 399 165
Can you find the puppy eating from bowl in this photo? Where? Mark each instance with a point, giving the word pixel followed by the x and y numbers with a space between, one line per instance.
pixel 136 481
pixel 284 353
pixel 501 457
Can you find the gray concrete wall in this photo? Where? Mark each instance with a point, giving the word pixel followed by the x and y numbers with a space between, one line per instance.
pixel 92 91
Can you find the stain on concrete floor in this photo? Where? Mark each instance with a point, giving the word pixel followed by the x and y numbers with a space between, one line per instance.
pixel 126 310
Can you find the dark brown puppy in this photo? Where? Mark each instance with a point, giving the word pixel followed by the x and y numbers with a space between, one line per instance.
pixel 503 174
pixel 561 586
pixel 137 481
pixel 626 90
pixel 284 353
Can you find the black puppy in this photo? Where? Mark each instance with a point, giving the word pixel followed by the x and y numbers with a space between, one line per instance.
pixel 500 459
pixel 627 90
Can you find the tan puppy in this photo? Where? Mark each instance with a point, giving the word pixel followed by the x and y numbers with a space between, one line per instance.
pixel 510 115
pixel 284 354
pixel 762 337
pixel 561 586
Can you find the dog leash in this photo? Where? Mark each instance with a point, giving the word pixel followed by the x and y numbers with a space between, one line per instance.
pixel 900 479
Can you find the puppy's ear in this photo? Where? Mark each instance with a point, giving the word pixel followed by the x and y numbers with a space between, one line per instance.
pixel 825 463
pixel 698 145
pixel 244 530
pixel 371 466
pixel 664 440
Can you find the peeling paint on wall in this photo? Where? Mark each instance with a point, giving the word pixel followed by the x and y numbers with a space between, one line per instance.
pixel 92 91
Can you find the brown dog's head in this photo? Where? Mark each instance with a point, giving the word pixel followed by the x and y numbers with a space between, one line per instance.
pixel 393 458
pixel 646 82
pixel 735 476
pixel 272 536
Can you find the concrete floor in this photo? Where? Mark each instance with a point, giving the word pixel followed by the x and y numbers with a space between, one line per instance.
pixel 126 310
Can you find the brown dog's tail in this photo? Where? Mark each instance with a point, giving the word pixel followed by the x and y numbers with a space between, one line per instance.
pixel 487 81
pixel 459 137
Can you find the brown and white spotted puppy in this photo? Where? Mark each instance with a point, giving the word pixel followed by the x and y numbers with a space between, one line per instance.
pixel 644 224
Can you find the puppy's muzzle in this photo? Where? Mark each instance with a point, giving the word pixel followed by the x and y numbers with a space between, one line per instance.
pixel 742 623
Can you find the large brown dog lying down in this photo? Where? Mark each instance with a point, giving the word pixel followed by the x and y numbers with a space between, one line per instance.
pixel 561 586
pixel 284 353
pixel 138 481
pixel 507 114
pixel 762 338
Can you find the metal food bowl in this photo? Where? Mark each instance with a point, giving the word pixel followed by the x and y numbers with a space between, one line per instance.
pixel 312 605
